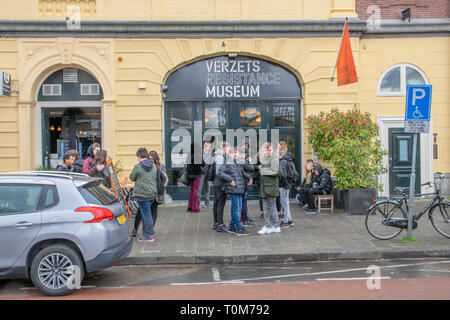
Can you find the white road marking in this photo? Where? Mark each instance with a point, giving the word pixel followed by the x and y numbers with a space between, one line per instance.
pixel 216 274
pixel 337 279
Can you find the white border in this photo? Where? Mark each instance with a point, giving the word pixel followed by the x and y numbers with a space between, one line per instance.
pixel 426 151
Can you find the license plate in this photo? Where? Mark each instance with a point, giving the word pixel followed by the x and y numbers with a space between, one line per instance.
pixel 121 219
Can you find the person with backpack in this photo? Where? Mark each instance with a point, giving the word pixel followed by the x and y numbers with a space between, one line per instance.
pixel 235 179
pixel 289 177
pixel 162 181
pixel 220 197
pixel 145 191
pixel 321 185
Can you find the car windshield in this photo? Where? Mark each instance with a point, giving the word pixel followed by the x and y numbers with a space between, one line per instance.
pixel 97 194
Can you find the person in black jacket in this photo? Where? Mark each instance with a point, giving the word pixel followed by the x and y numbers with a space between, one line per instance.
pixel 194 171
pixel 322 185
pixel 78 163
pixel 235 180
pixel 67 164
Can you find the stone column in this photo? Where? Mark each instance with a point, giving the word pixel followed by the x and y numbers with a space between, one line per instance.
pixel 108 127
pixel 27 128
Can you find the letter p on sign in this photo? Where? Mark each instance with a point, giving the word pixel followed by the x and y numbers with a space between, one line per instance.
pixel 418 93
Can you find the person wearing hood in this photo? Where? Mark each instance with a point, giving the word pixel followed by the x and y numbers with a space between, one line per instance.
pixel 285 186
pixel 322 185
pixel 145 192
pixel 87 164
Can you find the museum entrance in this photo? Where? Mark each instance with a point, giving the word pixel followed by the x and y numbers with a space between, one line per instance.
pixel 223 93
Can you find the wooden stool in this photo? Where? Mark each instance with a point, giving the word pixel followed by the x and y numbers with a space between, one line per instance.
pixel 321 198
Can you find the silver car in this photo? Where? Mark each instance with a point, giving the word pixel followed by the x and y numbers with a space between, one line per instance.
pixel 55 227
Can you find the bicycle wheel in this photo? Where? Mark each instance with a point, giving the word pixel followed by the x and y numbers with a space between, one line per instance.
pixel 382 211
pixel 440 218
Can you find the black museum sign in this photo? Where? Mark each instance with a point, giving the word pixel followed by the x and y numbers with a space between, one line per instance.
pixel 223 77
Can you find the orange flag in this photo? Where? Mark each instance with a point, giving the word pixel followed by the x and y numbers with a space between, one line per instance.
pixel 346 71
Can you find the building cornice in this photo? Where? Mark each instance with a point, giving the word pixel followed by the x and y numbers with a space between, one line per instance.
pixel 223 29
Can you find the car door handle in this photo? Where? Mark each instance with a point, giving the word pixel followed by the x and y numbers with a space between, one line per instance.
pixel 22 225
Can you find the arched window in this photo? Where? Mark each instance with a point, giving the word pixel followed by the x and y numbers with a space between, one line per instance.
pixel 394 80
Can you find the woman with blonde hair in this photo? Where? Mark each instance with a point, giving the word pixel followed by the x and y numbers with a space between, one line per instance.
pixel 302 190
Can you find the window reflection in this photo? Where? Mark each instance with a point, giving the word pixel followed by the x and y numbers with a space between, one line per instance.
pixel 284 115
pixel 250 116
pixel 391 81
pixel 413 77
pixel 215 118
pixel 180 118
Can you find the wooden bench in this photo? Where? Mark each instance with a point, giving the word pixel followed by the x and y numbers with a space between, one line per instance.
pixel 319 202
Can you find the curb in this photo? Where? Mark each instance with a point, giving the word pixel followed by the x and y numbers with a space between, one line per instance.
pixel 283 258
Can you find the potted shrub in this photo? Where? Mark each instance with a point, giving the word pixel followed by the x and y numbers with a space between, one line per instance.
pixel 349 141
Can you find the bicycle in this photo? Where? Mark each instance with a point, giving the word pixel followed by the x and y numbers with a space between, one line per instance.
pixel 387 218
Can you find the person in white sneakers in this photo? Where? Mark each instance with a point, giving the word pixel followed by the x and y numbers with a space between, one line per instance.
pixel 270 170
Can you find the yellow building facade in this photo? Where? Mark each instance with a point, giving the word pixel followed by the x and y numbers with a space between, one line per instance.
pixel 132 47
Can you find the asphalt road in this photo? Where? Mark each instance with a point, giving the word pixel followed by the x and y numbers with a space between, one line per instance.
pixel 385 279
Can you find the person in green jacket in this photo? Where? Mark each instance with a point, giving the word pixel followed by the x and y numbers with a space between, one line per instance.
pixel 270 170
pixel 145 192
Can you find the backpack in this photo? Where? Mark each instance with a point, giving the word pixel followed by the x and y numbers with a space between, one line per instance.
pixel 161 183
pixel 291 172
pixel 211 173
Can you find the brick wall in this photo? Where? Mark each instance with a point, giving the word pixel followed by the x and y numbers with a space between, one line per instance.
pixel 420 9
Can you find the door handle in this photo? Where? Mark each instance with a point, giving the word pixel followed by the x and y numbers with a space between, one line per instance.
pixel 22 225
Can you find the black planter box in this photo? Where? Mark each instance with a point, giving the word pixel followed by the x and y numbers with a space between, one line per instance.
pixel 357 201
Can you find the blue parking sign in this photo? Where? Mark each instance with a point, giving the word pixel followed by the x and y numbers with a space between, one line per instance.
pixel 418 103
pixel 418 109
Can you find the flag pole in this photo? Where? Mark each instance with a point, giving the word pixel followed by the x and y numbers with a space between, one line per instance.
pixel 339 51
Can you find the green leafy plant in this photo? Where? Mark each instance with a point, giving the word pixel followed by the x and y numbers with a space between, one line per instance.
pixel 44 168
pixel 349 140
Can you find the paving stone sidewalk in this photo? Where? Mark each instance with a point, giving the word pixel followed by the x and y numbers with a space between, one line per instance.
pixel 185 237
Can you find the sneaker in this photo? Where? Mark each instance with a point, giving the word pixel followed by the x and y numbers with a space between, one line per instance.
pixel 306 207
pixel 310 211
pixel 242 232
pixel 221 228
pixel 275 229
pixel 232 230
pixel 265 230
pixel 250 219
pixel 215 226
pixel 247 223
pixel 133 234
pixel 151 239
pixel 285 225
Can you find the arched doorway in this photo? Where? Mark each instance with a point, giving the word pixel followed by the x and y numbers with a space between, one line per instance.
pixel 69 115
pixel 230 92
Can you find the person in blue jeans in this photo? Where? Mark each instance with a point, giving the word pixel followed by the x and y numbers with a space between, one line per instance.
pixel 145 192
pixel 235 179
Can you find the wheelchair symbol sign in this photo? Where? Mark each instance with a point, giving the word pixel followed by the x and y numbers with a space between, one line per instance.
pixel 418 103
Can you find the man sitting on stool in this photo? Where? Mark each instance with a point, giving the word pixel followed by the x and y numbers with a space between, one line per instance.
pixel 322 185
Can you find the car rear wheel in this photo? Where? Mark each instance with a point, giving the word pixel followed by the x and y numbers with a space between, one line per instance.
pixel 57 270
